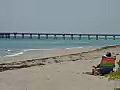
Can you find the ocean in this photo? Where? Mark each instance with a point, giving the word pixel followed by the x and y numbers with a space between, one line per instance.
pixel 17 47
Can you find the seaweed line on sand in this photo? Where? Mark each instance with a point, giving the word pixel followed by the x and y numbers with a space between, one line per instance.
pixel 56 59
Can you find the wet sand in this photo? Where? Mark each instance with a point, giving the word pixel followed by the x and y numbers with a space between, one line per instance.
pixel 37 54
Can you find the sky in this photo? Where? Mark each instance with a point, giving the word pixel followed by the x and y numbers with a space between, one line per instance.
pixel 60 16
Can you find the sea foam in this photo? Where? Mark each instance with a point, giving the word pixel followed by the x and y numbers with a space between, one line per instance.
pixel 15 54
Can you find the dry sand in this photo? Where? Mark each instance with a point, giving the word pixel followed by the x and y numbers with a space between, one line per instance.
pixel 65 75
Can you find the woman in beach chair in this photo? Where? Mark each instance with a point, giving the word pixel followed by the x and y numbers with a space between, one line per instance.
pixel 106 66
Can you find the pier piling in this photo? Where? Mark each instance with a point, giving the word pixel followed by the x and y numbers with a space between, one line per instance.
pixel 113 37
pixel 1 35
pixel 46 36
pixel 64 36
pixel 88 37
pixel 96 37
pixel 105 37
pixel 38 36
pixel 79 36
pixel 30 36
pixel 15 35
pixel 72 36
pixel 22 35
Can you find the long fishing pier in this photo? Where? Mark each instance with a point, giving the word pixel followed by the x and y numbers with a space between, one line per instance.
pixel 55 35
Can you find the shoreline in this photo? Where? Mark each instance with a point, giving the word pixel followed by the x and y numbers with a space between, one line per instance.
pixel 83 55
pixel 62 72
pixel 37 54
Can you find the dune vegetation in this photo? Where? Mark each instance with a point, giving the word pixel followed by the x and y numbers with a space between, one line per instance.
pixel 115 75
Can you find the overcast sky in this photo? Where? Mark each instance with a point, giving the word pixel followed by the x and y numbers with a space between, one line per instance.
pixel 64 16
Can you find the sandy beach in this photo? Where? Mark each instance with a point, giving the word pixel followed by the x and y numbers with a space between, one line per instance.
pixel 61 72
pixel 59 45
pixel 37 54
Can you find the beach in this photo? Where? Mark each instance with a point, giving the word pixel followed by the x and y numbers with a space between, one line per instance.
pixel 37 54
pixel 65 71
pixel 59 44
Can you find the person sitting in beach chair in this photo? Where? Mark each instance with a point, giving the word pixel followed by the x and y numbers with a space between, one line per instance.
pixel 106 66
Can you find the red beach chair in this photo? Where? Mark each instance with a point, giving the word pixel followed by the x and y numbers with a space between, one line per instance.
pixel 107 64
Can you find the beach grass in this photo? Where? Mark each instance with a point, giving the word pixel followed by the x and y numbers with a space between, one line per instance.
pixel 115 75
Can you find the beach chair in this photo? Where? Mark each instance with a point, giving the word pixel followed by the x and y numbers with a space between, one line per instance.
pixel 107 64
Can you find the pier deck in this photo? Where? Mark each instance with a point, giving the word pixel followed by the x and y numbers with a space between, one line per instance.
pixel 72 35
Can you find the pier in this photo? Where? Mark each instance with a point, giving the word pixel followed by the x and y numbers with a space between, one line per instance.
pixel 56 35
